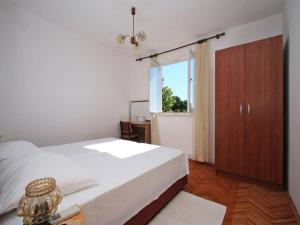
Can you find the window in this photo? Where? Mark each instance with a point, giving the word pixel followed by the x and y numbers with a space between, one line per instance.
pixel 172 86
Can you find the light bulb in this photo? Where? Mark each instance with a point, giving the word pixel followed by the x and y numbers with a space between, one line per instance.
pixel 141 36
pixel 120 39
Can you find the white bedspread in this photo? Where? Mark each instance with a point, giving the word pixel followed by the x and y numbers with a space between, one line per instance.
pixel 130 176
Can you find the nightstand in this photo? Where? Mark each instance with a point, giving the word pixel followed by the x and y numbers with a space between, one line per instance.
pixel 75 220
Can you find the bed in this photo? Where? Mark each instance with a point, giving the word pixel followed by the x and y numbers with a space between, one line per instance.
pixel 135 180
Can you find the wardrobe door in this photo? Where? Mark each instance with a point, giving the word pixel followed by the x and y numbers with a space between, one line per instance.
pixel 263 149
pixel 229 110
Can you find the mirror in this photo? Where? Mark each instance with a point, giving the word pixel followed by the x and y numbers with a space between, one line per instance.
pixel 139 111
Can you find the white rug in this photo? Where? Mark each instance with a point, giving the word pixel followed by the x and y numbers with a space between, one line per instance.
pixel 188 209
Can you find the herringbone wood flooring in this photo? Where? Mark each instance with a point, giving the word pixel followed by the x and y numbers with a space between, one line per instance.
pixel 246 203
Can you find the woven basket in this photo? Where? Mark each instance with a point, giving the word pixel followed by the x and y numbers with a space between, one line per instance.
pixel 40 187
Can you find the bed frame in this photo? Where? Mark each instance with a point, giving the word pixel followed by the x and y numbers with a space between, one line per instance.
pixel 147 213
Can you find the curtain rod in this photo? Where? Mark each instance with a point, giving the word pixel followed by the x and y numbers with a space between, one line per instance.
pixel 174 49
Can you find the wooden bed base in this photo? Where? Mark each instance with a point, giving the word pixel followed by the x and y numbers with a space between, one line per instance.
pixel 147 213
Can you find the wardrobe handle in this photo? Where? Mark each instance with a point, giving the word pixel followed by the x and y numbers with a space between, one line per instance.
pixel 249 109
pixel 241 108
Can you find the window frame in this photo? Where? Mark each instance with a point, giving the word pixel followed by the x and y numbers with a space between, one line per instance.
pixel 169 59
pixel 188 83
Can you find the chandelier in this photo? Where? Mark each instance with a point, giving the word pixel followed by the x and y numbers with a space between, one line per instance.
pixel 134 38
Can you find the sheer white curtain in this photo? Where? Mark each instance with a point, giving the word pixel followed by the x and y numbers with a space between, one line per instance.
pixel 155 99
pixel 155 87
pixel 191 86
pixel 202 105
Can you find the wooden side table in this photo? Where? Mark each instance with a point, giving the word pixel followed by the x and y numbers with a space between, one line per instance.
pixel 75 220
pixel 142 130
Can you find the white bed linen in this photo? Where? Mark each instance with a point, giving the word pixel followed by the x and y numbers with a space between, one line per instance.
pixel 130 176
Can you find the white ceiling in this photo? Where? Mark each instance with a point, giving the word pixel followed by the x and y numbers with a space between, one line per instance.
pixel 167 22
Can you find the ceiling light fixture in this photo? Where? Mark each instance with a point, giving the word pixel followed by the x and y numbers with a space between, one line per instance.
pixel 140 36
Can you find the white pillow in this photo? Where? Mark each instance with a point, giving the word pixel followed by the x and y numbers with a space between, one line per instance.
pixel 15 149
pixel 16 174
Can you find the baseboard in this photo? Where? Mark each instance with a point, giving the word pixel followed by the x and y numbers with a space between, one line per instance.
pixel 294 208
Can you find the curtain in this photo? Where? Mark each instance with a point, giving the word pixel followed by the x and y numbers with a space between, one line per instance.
pixel 155 140
pixel 155 87
pixel 201 111
pixel 155 99
pixel 191 72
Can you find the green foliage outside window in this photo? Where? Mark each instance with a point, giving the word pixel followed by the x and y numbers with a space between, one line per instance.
pixel 167 99
pixel 172 103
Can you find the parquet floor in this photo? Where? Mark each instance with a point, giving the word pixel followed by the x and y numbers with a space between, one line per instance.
pixel 247 204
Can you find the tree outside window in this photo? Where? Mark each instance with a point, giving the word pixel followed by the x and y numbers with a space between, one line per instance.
pixel 175 87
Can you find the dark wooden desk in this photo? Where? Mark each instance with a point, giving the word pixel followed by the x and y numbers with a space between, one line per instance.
pixel 142 130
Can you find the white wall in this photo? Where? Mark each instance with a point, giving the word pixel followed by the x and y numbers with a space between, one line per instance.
pixel 292 18
pixel 177 131
pixel 57 86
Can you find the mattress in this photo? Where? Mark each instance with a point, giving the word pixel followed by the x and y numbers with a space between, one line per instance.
pixel 130 176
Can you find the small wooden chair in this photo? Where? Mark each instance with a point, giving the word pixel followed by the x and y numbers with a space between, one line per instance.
pixel 126 131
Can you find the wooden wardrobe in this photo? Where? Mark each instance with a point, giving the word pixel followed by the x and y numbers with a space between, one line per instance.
pixel 249 110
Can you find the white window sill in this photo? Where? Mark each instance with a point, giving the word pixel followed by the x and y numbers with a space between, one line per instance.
pixel 173 114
